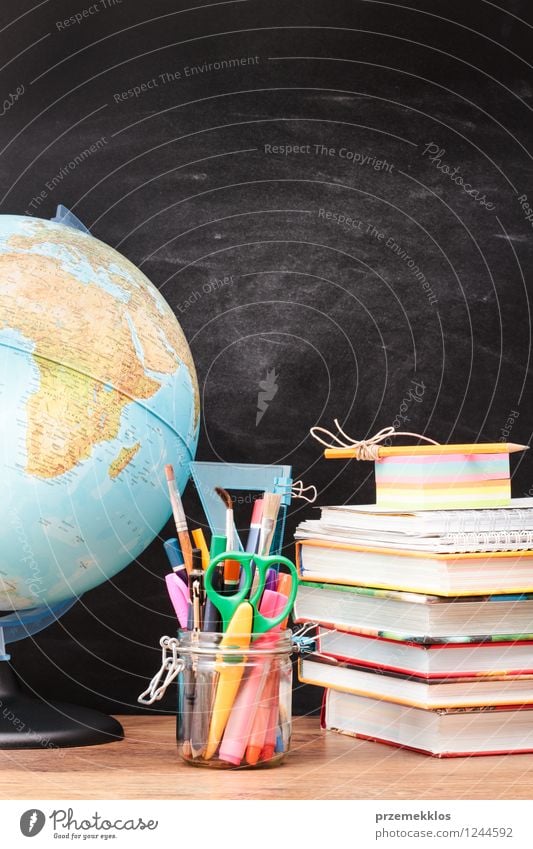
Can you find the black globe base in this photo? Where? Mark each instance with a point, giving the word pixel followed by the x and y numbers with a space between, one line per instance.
pixel 28 723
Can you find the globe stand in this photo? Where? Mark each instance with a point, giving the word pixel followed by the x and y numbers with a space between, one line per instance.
pixel 31 723
pixel 28 723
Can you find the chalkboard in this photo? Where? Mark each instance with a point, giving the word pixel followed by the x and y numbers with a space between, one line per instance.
pixel 335 197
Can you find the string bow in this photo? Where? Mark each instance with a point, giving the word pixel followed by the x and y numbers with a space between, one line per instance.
pixel 364 449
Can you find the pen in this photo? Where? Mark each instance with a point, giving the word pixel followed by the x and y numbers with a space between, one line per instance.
pixel 179 517
pixel 196 588
pixel 192 690
pixel 175 558
pixel 189 696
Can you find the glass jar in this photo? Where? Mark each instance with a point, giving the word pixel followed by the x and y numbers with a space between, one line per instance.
pixel 234 704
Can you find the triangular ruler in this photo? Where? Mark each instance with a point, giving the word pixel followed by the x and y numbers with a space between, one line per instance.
pixel 65 216
pixel 249 477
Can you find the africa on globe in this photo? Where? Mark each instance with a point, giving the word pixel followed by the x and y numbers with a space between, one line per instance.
pixel 98 391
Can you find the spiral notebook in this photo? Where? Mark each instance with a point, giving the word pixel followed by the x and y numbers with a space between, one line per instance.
pixel 444 543
pixel 437 531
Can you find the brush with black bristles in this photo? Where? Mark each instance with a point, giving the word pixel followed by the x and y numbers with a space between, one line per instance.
pixel 231 567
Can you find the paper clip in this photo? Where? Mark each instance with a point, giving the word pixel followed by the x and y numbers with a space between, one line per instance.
pixel 303 641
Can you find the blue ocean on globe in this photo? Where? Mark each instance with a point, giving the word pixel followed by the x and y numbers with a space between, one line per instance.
pixel 98 392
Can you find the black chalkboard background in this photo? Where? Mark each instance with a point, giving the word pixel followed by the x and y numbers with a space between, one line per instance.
pixel 244 238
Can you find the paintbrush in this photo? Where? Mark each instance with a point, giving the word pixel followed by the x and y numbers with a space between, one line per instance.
pixel 231 567
pixel 179 518
pixel 271 505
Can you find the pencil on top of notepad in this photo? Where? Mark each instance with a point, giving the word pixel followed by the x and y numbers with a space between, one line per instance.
pixel 383 451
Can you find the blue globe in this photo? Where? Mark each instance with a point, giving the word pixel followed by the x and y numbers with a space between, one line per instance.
pixel 98 392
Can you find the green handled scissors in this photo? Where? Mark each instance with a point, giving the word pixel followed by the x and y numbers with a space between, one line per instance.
pixel 228 604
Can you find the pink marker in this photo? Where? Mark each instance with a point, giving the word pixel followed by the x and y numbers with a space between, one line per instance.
pixel 261 723
pixel 179 596
pixel 244 708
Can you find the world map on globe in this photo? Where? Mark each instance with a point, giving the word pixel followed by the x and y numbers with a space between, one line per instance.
pixel 98 391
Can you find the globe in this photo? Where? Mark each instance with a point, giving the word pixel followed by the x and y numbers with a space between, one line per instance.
pixel 98 392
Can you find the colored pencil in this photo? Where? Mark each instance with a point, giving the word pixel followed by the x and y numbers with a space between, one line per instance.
pixel 429 450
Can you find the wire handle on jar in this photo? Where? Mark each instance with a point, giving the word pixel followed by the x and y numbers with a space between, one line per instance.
pixel 171 666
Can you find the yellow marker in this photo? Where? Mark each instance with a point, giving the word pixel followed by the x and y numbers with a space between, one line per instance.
pixel 199 541
pixel 284 587
pixel 428 450
pixel 230 671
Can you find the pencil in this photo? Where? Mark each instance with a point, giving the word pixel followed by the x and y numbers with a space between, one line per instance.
pixel 429 450
pixel 179 518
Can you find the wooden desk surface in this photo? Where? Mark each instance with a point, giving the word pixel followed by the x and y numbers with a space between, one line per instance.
pixel 320 766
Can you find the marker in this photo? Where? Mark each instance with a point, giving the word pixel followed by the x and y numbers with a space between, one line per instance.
pixel 199 541
pixel 179 596
pixel 271 580
pixel 256 742
pixel 244 714
pixel 238 635
pixel 284 587
pixel 255 527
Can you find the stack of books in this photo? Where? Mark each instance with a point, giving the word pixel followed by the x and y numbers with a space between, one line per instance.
pixel 424 625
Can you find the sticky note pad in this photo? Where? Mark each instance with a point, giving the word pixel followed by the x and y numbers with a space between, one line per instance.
pixel 443 481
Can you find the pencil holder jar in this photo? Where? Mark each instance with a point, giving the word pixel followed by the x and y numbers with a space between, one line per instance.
pixel 234 699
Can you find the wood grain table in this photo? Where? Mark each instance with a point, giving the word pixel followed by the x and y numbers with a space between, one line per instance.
pixel 320 766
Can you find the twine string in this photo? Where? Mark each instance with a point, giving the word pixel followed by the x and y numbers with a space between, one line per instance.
pixel 364 449
pixel 299 491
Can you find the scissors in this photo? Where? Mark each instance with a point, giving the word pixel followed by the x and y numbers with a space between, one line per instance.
pixel 228 604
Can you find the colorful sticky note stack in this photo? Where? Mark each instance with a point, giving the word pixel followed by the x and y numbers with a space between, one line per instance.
pixel 441 481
